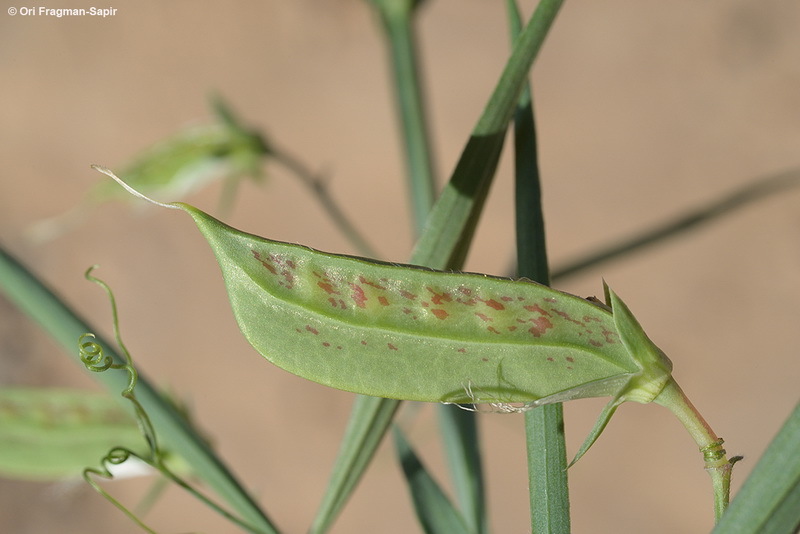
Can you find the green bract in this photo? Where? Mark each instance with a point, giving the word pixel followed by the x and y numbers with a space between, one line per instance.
pixel 405 332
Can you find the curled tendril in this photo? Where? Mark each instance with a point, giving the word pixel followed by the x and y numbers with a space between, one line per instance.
pixel 95 360
pixel 115 456
pixel 92 355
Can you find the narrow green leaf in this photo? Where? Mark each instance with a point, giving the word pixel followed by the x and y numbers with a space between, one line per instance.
pixel 462 449
pixel 451 224
pixel 690 220
pixel 769 500
pixel 369 420
pixel 434 510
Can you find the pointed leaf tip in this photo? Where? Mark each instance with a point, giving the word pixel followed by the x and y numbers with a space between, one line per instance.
pixel 130 189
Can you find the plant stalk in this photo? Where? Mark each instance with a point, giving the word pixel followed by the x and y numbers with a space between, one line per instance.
pixel 715 458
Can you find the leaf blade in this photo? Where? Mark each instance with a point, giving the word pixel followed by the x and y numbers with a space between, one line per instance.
pixel 434 510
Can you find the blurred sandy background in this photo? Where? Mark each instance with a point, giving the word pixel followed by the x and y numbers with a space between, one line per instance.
pixel 644 108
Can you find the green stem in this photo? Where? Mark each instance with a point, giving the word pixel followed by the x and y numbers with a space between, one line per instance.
pixel 544 426
pixel 717 464
pixel 397 17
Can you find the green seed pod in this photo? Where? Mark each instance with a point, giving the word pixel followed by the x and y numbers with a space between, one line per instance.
pixel 51 434
pixel 406 332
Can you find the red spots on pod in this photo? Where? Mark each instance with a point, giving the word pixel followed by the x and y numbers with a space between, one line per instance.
pixel 391 347
pixel 363 341
pixel 268 266
pixel 540 326
pixel 327 287
pixel 570 359
pixel 358 295
pixel 609 336
pixel 326 344
pixel 311 329
pixel 439 313
pixel 278 265
pixel 371 283
pixel 537 309
pixel 483 317
pixel 567 316
pixel 506 299
pixel 493 330
pixel 595 343
pixel 484 359
pixel 549 359
pixel 383 301
pixel 438 298
pixel 406 294
pixel 494 304
pixel 337 303
pixel 550 299
pixel 462 350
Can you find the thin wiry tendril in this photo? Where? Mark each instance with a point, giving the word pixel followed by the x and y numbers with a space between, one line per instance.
pixel 92 354
pixel 115 456
pixel 95 360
